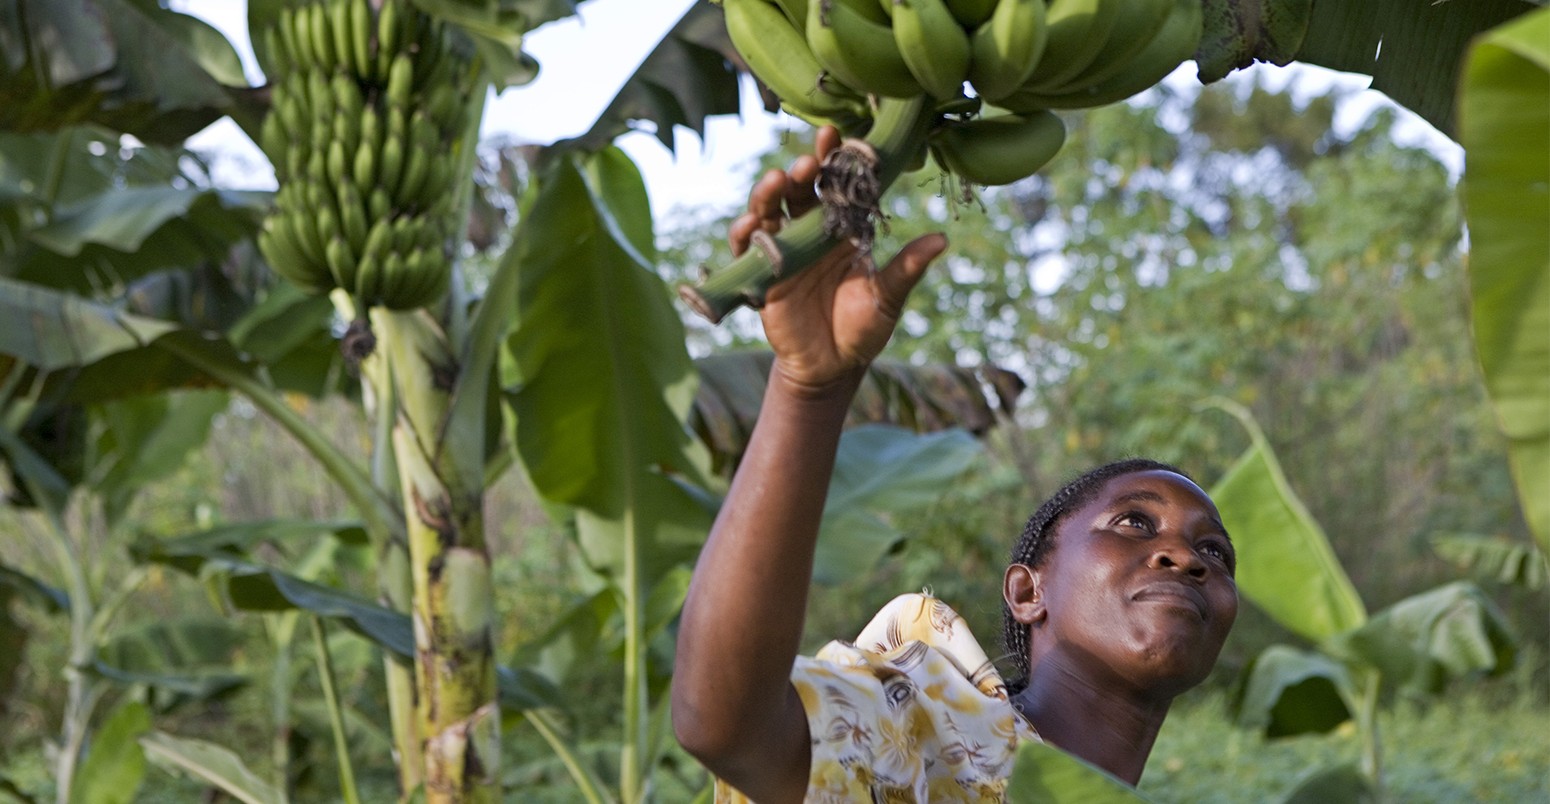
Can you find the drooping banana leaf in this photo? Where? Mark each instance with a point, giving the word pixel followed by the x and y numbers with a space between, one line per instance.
pixel 1505 125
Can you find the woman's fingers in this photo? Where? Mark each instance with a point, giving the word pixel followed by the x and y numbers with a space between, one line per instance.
pixel 778 195
pixel 904 271
pixel 765 199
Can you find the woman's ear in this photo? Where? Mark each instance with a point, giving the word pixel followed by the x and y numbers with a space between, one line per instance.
pixel 1023 588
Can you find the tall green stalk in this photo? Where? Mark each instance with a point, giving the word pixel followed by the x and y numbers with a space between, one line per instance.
pixel 453 610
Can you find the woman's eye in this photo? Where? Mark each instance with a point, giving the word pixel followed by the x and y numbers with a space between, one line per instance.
pixel 1218 550
pixel 1136 520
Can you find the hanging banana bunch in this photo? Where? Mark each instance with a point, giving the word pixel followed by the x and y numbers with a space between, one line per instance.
pixel 367 119
pixel 971 81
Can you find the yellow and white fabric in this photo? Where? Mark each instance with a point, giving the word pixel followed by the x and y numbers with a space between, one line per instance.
pixel 912 711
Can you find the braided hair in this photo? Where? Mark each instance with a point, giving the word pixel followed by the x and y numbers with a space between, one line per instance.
pixel 1034 546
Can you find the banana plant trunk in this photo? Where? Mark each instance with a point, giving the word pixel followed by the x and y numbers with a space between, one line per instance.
pixel 395 587
pixel 449 564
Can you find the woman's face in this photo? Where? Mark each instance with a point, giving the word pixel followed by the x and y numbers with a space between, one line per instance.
pixel 1138 586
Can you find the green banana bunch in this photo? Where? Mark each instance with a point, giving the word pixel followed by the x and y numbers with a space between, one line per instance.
pixel 999 149
pixel 366 123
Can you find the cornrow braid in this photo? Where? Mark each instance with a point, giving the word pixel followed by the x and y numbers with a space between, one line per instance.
pixel 1034 546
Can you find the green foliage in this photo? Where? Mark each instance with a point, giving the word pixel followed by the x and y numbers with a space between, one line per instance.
pixel 1507 164
pixel 129 64
pixel 1495 559
pixel 1044 773
pixel 883 471
pixel 210 763
pixel 115 765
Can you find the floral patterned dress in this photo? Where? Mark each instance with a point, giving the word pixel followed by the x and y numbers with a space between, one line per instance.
pixel 912 711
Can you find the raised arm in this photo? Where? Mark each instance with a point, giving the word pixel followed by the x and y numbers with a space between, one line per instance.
pixel 733 704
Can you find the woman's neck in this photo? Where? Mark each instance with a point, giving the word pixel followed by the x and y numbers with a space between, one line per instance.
pixel 1105 727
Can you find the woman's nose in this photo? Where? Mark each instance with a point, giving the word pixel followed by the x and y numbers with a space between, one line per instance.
pixel 1175 555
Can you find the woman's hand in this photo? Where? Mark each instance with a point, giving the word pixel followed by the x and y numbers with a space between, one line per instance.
pixel 827 323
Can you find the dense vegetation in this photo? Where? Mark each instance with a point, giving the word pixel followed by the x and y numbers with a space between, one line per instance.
pixel 1200 257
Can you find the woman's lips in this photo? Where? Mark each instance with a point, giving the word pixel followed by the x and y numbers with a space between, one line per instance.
pixel 1173 593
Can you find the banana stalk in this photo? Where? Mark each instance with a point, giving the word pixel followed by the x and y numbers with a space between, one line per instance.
pixel 898 136
pixel 453 611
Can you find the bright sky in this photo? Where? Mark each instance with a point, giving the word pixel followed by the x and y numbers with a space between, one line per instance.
pixel 584 60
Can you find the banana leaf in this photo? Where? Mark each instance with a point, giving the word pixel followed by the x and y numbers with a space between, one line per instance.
pixel 1285 563
pixel 1506 137
pixel 114 765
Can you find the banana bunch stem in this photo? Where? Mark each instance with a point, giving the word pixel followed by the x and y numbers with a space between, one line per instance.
pixel 898 135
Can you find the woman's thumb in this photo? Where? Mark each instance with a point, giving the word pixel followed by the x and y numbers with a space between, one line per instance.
pixel 906 268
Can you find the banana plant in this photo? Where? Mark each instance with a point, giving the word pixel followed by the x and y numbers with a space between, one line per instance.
pixel 1353 660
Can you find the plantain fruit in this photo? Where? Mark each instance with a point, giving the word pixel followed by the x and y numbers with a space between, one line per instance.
pixel 1001 149
pixel 779 56
pixel 1174 43
pixel 933 45
pixel 858 50
pixel 1007 47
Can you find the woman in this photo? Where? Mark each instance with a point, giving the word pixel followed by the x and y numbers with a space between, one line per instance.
pixel 1119 596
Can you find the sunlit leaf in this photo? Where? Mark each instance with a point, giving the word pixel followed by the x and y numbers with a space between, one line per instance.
pixel 601 380
pixel 1285 563
pixel 1505 130
pixel 1044 773
pixel 1287 692
pixel 1426 640
pixel 210 763
pixel 114 765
